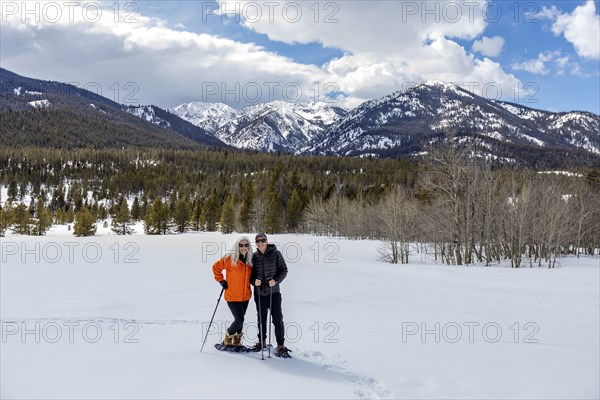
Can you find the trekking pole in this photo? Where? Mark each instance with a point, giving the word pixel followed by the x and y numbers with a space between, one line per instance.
pixel 260 340
pixel 270 315
pixel 211 320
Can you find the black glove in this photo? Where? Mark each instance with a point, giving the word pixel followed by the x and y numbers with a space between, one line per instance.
pixel 224 284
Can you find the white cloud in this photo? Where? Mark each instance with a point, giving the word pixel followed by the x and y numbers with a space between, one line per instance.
pixel 536 65
pixel 541 65
pixel 167 66
pixel 390 44
pixel 549 13
pixel 489 46
pixel 363 25
pixel 580 27
pixel 392 49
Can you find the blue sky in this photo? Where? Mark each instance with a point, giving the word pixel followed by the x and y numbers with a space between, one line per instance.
pixel 177 49
pixel 199 17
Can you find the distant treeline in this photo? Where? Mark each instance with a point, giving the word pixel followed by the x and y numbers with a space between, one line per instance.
pixel 463 208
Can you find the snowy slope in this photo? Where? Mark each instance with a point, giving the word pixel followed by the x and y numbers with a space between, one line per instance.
pixel 279 126
pixel 147 113
pixel 345 315
pixel 208 116
pixel 404 121
pixel 274 126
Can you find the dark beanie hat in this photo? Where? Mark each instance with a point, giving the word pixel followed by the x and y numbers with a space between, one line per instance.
pixel 260 235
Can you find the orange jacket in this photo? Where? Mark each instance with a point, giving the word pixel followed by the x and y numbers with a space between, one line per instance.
pixel 238 278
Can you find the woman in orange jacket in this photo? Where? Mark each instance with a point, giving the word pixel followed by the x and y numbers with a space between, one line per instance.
pixel 236 283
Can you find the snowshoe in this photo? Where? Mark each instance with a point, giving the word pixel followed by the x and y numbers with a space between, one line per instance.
pixel 233 349
pixel 259 346
pixel 283 352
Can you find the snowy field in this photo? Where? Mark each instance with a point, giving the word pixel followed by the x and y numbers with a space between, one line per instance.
pixel 124 317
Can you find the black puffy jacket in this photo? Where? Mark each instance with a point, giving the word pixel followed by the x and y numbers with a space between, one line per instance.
pixel 269 265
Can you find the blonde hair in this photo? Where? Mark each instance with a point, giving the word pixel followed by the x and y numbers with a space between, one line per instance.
pixel 235 251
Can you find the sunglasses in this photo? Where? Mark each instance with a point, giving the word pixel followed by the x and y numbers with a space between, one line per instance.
pixel 261 240
pixel 244 244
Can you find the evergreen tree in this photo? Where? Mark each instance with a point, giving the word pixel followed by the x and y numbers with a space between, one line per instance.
pixel 95 209
pixel 43 219
pixel 114 208
pixel 273 214
pixel 23 189
pixel 211 212
pixel 32 207
pixel 121 223
pixel 60 217
pixel 246 214
pixel 35 189
pixel 21 220
pixel 102 213
pixel 228 216
pixel 13 191
pixel 136 211
pixel 273 217
pixel 60 199
pixel 294 181
pixel 157 221
pixel 85 223
pixel 145 207
pixel 77 203
pixel 5 219
pixel 183 213
pixel 294 211
pixel 70 214
pixel 172 202
pixel 196 213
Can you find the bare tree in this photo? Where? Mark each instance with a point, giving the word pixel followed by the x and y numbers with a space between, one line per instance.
pixel 397 215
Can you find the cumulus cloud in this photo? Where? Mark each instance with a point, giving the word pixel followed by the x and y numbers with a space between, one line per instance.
pixel 490 47
pixel 165 66
pixel 545 61
pixel 389 44
pixel 580 27
pixel 536 65
pixel 400 44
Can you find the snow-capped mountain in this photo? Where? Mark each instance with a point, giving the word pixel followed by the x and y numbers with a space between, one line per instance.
pixel 402 123
pixel 147 113
pixel 274 126
pixel 405 121
pixel 85 118
pixel 279 126
pixel 167 119
pixel 576 128
pixel 208 116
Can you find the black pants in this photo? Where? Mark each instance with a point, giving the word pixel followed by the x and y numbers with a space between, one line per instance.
pixel 275 312
pixel 238 309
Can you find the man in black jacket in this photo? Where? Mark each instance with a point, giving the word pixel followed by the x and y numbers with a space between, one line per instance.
pixel 268 271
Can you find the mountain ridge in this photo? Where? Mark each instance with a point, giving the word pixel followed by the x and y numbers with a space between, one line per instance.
pixel 402 124
pixel 48 113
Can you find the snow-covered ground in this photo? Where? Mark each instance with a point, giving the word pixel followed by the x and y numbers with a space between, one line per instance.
pixel 124 317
